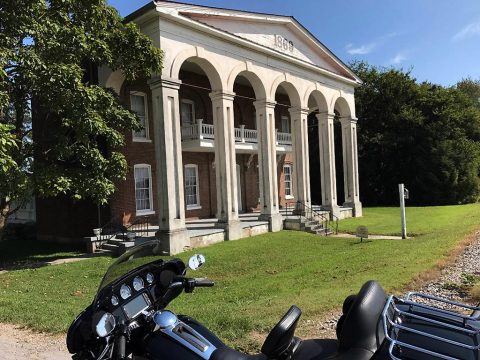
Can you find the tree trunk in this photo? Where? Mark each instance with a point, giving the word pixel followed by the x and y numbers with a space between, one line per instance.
pixel 4 213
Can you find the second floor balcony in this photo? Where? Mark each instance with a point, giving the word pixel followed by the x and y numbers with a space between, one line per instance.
pixel 200 137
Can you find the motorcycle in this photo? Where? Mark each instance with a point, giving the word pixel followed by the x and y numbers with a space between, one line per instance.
pixel 128 317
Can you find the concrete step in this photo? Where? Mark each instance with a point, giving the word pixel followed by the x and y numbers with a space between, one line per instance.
pixel 111 247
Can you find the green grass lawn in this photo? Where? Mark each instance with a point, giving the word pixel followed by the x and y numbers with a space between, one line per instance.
pixel 258 278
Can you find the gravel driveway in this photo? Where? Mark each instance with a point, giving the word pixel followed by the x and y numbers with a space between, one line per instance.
pixel 18 343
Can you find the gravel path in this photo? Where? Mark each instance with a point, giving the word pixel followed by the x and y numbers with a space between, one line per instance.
pixel 18 343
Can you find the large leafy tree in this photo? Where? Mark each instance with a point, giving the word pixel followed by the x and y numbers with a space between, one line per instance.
pixel 424 135
pixel 45 46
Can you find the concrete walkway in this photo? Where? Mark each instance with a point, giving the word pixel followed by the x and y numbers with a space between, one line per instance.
pixel 370 237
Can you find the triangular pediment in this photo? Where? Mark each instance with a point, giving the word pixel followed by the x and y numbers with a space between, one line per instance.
pixel 279 33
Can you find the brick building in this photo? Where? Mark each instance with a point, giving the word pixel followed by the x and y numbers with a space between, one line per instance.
pixel 225 123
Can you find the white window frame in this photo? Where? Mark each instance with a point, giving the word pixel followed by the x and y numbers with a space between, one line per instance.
pixel 150 191
pixel 136 138
pixel 197 205
pixel 190 102
pixel 290 182
pixel 287 121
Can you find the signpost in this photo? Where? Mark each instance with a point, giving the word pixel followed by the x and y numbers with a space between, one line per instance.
pixel 362 233
pixel 404 194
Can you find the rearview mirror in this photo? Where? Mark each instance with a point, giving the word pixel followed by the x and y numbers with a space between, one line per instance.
pixel 196 261
pixel 105 325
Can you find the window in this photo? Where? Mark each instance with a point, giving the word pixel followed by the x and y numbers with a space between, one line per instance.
pixel 285 124
pixel 187 112
pixel 287 172
pixel 138 104
pixel 192 195
pixel 143 189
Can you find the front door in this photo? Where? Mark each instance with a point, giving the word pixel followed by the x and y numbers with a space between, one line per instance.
pixel 239 190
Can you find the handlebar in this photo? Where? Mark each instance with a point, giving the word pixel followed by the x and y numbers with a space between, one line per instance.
pixel 190 284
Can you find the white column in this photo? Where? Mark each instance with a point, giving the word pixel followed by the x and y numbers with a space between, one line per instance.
pixel 169 168
pixel 327 162
pixel 226 164
pixel 267 164
pixel 300 151
pixel 350 165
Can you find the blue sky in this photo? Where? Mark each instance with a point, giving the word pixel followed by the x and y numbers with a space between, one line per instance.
pixel 438 39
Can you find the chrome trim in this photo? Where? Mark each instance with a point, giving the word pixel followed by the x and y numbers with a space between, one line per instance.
pixel 396 326
pixel 169 324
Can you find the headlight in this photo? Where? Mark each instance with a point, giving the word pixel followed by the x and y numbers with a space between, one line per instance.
pixel 138 283
pixel 114 300
pixel 125 292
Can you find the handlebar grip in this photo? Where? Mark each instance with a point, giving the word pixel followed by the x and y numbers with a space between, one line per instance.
pixel 120 347
pixel 204 283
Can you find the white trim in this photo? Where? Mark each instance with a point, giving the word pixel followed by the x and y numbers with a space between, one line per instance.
pixel 289 197
pixel 147 135
pixel 250 44
pixel 290 182
pixel 145 212
pixel 150 191
pixel 193 207
pixel 197 180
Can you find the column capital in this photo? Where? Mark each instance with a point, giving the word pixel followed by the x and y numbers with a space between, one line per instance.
pixel 325 115
pixel 164 82
pixel 264 103
pixel 348 120
pixel 222 95
pixel 299 111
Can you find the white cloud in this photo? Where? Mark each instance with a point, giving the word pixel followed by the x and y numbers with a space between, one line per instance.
pixel 361 50
pixel 369 47
pixel 398 59
pixel 470 30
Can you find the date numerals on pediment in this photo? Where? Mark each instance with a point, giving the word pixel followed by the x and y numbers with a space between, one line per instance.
pixel 283 44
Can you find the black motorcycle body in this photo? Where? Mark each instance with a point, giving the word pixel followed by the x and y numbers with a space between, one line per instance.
pixel 129 317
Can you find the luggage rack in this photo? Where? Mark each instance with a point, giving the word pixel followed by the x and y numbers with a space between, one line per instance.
pixel 399 312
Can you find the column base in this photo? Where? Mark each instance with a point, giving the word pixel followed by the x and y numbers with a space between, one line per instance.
pixel 357 208
pixel 334 210
pixel 173 241
pixel 275 221
pixel 233 229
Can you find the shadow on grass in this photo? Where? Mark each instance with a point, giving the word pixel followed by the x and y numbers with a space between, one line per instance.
pixel 20 254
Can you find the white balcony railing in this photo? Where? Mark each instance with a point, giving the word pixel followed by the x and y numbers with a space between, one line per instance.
pixel 200 131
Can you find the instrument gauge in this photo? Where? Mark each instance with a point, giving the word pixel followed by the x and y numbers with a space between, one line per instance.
pixel 125 292
pixel 150 278
pixel 114 300
pixel 138 283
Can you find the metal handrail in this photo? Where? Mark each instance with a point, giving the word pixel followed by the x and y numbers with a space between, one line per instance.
pixel 115 227
pixel 303 210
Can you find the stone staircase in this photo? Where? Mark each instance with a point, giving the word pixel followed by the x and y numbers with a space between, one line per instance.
pixel 312 220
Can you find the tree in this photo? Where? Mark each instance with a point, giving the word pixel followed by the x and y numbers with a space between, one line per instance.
pixel 77 125
pixel 424 135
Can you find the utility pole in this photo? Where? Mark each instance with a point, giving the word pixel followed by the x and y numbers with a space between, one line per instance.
pixel 403 195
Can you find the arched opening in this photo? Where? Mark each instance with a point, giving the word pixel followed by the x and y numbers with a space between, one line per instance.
pixel 198 78
pixel 248 88
pixel 286 98
pixel 342 110
pixel 316 104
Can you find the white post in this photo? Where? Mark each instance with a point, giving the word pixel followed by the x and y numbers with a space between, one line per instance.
pixel 242 133
pixel 276 136
pixel 401 190
pixel 199 128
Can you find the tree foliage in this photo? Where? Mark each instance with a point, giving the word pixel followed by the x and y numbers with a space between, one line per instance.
pixel 77 127
pixel 421 134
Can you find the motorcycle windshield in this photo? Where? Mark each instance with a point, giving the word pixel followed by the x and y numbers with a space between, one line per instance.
pixel 134 258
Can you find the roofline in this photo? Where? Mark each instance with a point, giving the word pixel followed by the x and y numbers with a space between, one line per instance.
pixel 153 5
